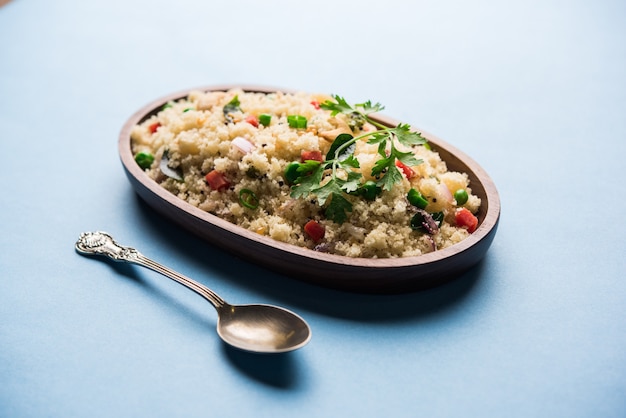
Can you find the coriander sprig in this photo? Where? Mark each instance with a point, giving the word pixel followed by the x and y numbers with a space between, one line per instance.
pixel 336 177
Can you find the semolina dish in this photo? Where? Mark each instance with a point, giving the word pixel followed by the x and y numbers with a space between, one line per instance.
pixel 310 170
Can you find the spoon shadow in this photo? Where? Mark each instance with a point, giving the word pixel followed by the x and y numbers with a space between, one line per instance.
pixel 276 370
pixel 374 308
pixel 131 272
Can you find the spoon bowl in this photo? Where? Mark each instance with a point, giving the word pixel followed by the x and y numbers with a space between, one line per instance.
pixel 254 328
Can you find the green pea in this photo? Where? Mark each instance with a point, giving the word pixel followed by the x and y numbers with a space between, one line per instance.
pixel 144 159
pixel 416 199
pixel 461 197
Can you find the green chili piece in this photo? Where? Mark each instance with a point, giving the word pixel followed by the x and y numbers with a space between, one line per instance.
pixel 265 119
pixel 291 172
pixel 369 190
pixel 248 199
pixel 416 199
pixel 297 121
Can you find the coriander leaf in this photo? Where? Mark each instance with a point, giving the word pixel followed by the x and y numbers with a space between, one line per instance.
pixel 378 137
pixel 382 149
pixel 340 141
pixel 391 177
pixel 368 107
pixel 407 158
pixel 324 192
pixel 339 106
pixel 382 164
pixel 352 184
pixel 406 137
pixel 337 209
pixel 308 183
pixel 351 161
pixel 233 104
pixel 337 171
pixel 307 167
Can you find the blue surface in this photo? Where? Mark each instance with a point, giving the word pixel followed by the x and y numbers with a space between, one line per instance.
pixel 532 90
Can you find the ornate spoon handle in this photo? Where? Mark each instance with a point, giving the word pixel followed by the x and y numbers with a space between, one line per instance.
pixel 101 243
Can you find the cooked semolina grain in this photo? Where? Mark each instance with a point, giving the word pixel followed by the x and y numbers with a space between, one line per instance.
pixel 197 137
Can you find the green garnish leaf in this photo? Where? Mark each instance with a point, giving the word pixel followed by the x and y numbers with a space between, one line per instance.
pixel 337 172
pixel 352 184
pixel 337 208
pixel 308 183
pixel 368 107
pixel 230 108
pixel 387 173
pixel 327 190
pixel 307 167
pixel 352 162
pixel 408 158
pixel 407 137
pixel 341 140
pixel 338 106
pixel 379 138
pixel 338 205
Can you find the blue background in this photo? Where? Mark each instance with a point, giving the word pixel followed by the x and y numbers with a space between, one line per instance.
pixel 534 91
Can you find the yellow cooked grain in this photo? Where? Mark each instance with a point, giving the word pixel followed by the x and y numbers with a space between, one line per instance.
pixel 194 132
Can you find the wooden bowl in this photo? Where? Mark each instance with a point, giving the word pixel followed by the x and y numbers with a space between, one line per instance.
pixel 389 275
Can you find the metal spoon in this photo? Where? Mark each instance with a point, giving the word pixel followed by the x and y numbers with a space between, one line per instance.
pixel 255 328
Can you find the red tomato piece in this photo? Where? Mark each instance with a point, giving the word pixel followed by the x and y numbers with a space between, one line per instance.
pixel 217 181
pixel 315 230
pixel 153 128
pixel 316 104
pixel 253 120
pixel 311 155
pixel 465 218
pixel 408 171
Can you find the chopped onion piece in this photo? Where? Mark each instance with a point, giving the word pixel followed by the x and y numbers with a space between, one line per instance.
pixel 445 193
pixel 242 144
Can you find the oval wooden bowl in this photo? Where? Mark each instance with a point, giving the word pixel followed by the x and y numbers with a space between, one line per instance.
pixel 350 274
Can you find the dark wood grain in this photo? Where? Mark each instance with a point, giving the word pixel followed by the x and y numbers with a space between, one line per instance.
pixel 340 272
